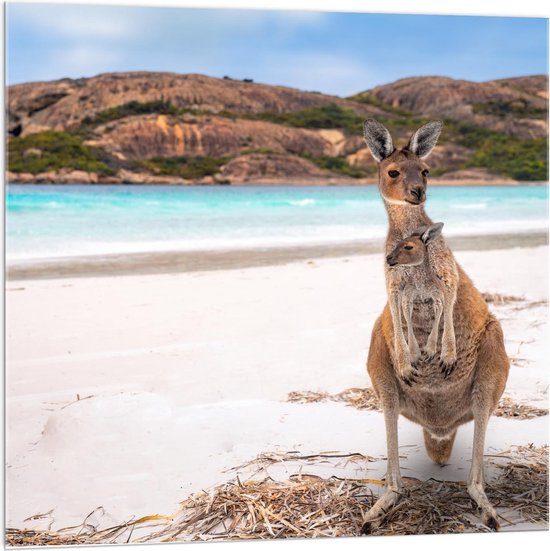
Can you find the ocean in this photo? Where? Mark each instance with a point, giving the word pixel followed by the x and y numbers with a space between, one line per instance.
pixel 48 221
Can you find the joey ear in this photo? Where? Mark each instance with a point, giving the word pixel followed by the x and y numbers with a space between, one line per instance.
pixel 424 139
pixel 432 232
pixel 420 231
pixel 378 139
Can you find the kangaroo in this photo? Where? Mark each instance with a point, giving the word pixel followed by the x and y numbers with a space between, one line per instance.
pixel 422 285
pixel 406 174
pixel 442 394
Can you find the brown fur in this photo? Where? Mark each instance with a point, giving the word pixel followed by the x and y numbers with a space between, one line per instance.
pixel 436 397
pixel 423 286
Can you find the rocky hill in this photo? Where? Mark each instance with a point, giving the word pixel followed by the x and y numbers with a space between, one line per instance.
pixel 164 127
pixel 516 107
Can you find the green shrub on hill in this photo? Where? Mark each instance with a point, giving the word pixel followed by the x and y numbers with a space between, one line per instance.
pixel 370 99
pixel 185 167
pixel 518 159
pixel 131 108
pixel 52 151
pixel 517 108
pixel 469 135
pixel 326 116
pixel 501 154
pixel 259 151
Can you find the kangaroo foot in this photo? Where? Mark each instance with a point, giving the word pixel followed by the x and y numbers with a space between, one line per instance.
pixel 448 353
pixel 380 509
pixel 410 379
pixel 414 351
pixel 488 514
pixel 448 369
pixel 431 348
pixel 406 371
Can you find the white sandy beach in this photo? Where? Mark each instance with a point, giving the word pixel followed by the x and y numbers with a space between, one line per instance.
pixel 132 392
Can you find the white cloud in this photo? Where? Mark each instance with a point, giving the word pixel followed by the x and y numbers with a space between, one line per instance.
pixel 74 21
pixel 318 71
pixel 300 19
pixel 84 60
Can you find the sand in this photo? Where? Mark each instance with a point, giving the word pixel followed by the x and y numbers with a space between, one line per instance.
pixel 132 391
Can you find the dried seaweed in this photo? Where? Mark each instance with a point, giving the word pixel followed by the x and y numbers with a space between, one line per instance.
pixel 16 537
pixel 307 506
pixel 498 298
pixel 365 399
pixel 517 410
pixel 359 398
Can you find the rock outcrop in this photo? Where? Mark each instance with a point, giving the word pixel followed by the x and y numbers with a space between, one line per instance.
pixel 63 104
pixel 482 103
pixel 142 137
pixel 242 126
pixel 270 168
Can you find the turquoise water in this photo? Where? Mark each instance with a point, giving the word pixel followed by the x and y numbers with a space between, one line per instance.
pixel 52 221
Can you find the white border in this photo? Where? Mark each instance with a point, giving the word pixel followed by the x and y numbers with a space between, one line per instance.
pixel 524 8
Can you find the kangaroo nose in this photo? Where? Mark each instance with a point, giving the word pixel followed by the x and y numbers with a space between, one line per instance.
pixel 417 192
pixel 390 260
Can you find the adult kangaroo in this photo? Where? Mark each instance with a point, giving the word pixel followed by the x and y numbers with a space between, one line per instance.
pixel 438 393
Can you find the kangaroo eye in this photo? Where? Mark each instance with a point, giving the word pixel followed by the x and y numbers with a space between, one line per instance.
pixel 408 247
pixel 394 173
pixel 425 172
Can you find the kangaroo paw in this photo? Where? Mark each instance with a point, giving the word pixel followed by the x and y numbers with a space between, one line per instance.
pixel 488 514
pixel 414 352
pixel 404 366
pixel 448 369
pixel 369 527
pixel 408 375
pixel 448 354
pixel 430 349
pixel 380 509
pixel 491 522
pixel 410 378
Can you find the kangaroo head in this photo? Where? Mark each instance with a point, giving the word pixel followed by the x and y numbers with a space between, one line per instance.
pixel 411 251
pixel 402 172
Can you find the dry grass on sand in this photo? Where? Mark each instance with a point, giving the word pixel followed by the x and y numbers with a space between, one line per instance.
pixel 365 399
pixel 307 506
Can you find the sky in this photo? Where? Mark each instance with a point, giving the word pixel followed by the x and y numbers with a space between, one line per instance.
pixel 333 53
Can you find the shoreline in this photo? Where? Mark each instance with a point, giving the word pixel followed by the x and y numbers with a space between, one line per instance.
pixel 170 262
pixel 27 179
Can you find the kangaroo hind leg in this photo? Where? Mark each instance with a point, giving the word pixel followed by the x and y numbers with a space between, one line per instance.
pixel 489 382
pixel 383 379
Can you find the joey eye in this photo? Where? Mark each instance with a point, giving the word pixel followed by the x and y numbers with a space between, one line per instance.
pixel 425 172
pixel 408 247
pixel 394 173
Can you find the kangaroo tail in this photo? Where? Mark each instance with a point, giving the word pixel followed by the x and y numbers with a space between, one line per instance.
pixel 439 449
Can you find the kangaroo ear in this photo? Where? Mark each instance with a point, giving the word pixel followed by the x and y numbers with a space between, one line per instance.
pixel 424 139
pixel 419 231
pixel 378 139
pixel 432 232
